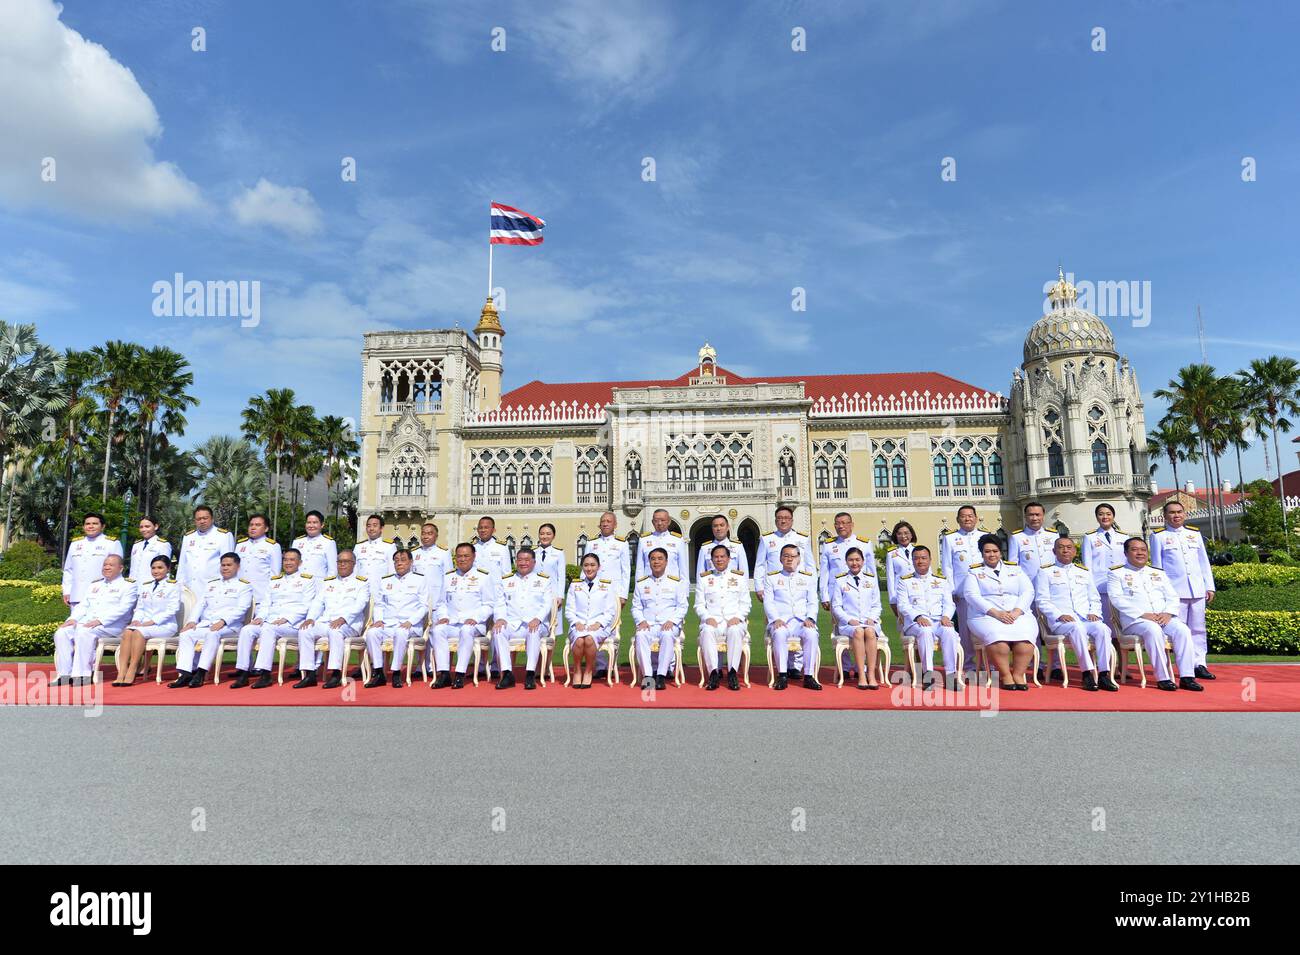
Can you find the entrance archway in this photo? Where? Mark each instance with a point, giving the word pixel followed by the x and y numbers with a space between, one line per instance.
pixel 701 534
pixel 748 534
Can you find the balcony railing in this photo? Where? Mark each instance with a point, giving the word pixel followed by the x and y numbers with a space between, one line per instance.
pixel 432 406
pixel 403 502
pixel 1062 484
pixel 962 491
pixel 831 494
pixel 712 487
pixel 508 500
pixel 1105 481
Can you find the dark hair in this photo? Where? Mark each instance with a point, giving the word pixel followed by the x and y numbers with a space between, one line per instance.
pixel 348 551
pixel 1171 502
pixel 1097 510
pixel 232 555
pixel 291 550
pixel 402 550
pixel 1130 541
pixel 784 507
pixel 987 539
pixel 525 550
pixel 658 550
pixel 592 555
pixel 719 517
pixel 793 547
pixel 464 544
pixel 428 524
pixel 547 524
pixel 854 550
pixel 203 507
pixel 893 535
pixel 967 507
pixel 150 518
pixel 1033 504
pixel 265 520
pixel 487 517
pixel 89 514
pixel 316 514
pixel 161 559
pixel 843 514
pixel 717 547
pixel 919 547
pixel 375 517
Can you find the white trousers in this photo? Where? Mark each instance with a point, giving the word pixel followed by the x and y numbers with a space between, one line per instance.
pixel 376 636
pixel 963 632
pixel 74 648
pixel 1191 610
pixel 265 635
pixel 531 639
pixel 1153 637
pixel 464 634
pixel 1077 633
pixel 925 637
pixel 710 637
pixel 792 630
pixel 211 639
pixel 667 648
pixel 309 659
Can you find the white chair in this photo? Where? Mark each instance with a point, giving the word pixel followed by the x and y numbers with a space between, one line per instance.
pixel 792 643
pixel 679 674
pixel 386 647
pixel 105 644
pixel 521 643
pixel 1051 641
pixel 884 656
pixel 722 649
pixel 610 645
pixel 1126 643
pixel 230 642
pixel 163 645
pixel 985 667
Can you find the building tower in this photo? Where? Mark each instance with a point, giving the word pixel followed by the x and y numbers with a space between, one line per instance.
pixel 490 333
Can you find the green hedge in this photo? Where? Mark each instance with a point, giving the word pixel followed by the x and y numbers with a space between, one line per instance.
pixel 23 640
pixel 1259 597
pixel 1253 631
pixel 1243 575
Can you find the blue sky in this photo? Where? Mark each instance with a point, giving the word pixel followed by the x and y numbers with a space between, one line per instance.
pixel 775 169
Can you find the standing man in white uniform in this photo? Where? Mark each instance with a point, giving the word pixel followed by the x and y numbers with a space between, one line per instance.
pixel 1102 550
pixel 957 551
pixel 320 555
pixel 1030 548
pixel 430 559
pixel 338 614
pixel 721 528
pixel 1179 550
pixel 84 563
pixel 490 553
pixel 790 603
pixel 375 553
pixel 1068 600
pixel 722 604
pixel 522 612
pixel 260 557
pixel 767 561
pixel 201 551
pixel 679 564
pixel 659 604
pixel 103 610
pixel 149 546
pixel 615 564
pixel 290 595
pixel 1148 609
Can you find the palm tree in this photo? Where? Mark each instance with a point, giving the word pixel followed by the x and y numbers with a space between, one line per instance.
pixel 231 493
pixel 270 420
pixel 29 394
pixel 300 452
pixel 1174 441
pixel 119 374
pixel 1273 387
pixel 80 369
pixel 160 391
pixel 339 448
pixel 1194 396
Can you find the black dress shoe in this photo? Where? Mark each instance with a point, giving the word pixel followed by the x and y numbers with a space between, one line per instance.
pixel 507 680
pixel 530 680
pixel 1089 681
pixel 398 680
pixel 647 683
pixel 1167 685
pixel 1107 683
pixel 781 682
pixel 333 680
pixel 714 679
pixel 600 675
pixel 929 679
pixel 810 682
pixel 443 679
pixel 182 679
pixel 1022 687
pixel 264 680
pixel 793 674
pixel 294 674
pixel 458 682
pixel 1203 673
pixel 376 679
pixel 309 679
pixel 240 681
pixel 196 680
pixel 660 682
pixel 1042 675
pixel 733 681
pixel 355 673
pixel 494 675
pixel 1010 687
pixel 1189 683
pixel 1058 675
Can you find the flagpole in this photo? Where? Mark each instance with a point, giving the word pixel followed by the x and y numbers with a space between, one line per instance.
pixel 489 266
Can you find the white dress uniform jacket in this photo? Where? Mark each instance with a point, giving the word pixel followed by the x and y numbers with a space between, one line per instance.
pixel 431 561
pixel 855 597
pixel 831 563
pixel 493 555
pixel 467 596
pixel 1180 553
pixel 767 560
pixel 657 601
pixel 1032 550
pixel 158 601
pixel 1004 587
pixel 928 596
pixel 615 561
pixel 337 598
pixel 679 564
pixel 520 600
pixel 142 554
pixel 739 560
pixel 1068 589
pixel 898 561
pixel 320 555
pixel 259 561
pixel 200 560
pixel 792 599
pixel 1101 551
pixel 375 558
pixel 722 596
pixel 222 600
pixel 400 599
pixel 108 601
pixel 1134 592
pixel 288 598
pixel 84 563
pixel 595 602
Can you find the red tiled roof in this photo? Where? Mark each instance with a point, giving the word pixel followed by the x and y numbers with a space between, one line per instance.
pixel 816 386
pixel 1291 481
pixel 1158 499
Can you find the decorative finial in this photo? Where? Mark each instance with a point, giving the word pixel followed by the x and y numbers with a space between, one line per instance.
pixel 488 320
pixel 1062 293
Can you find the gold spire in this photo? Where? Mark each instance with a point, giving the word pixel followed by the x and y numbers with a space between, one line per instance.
pixel 1062 293
pixel 488 320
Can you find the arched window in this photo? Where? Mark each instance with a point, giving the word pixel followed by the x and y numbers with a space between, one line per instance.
pixel 995 470
pixel 1055 461
pixel 632 471
pixel 394 483
pixel 580 547
pixel 544 479
pixel 1100 459
pixel 710 469
pixel 786 469
pixel 526 482
pixel 839 474
pixel 958 471
pixel 977 470
pixel 601 479
pixel 900 473
pixel 940 471
pixel 674 470
pixel 512 481
pixel 821 474
pixel 584 478
pixel 692 469
pixel 494 481
pixel 476 481
pixel 1098 440
pixel 1052 442
pixel 746 470
pixel 880 473
pixel 728 469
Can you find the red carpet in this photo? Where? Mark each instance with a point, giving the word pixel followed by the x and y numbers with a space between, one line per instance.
pixel 1246 688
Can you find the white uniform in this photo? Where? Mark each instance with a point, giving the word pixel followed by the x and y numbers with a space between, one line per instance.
pixel 1067 589
pixel 898 561
pixel 337 598
pixel 1180 553
pixel 722 596
pixel 84 563
pixel 929 596
pixel 658 601
pixel 144 551
pixel 399 599
pixel 615 561
pixel 222 600
pixel 467 596
pixel 1004 587
pixel 288 598
pixel 521 599
pixel 431 561
pixel 159 601
pixel 1032 550
pixel 679 564
pixel 493 555
pixel 1134 592
pixel 108 601
pixel 767 560
pixel 831 561
pixel 260 559
pixel 1101 551
pixel 592 602
pixel 375 559
pixel 200 560
pixel 791 598
pixel 959 549
pixel 551 562
pixel 739 560
pixel 320 555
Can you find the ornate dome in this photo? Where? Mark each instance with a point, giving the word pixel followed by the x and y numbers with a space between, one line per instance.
pixel 1067 329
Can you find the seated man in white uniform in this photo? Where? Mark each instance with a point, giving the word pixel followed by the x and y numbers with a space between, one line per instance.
pixel 223 605
pixel 338 613
pixel 1068 600
pixel 659 603
pixel 1148 609
pixel 790 602
pixel 103 610
pixel 592 611
pixel 289 595
pixel 468 596
pixel 401 613
pixel 925 609
pixel 522 612
pixel 855 608
pixel 722 603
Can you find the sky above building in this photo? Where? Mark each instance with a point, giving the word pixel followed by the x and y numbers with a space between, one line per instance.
pixel 813 188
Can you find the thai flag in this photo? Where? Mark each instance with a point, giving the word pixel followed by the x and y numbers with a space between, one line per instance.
pixel 511 226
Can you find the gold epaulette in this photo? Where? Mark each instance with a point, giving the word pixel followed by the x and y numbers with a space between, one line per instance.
pixel 1012 563
pixel 276 576
pixel 386 576
pixel 863 539
pixel 223 530
pixel 359 577
pixel 938 573
pixel 305 576
pixel 389 540
pixel 508 576
pixel 540 574
pixel 978 563
pixel 739 573
pixel 806 573
pixel 1159 530
pixel 671 577
pixel 773 573
pixel 1190 527
pixel 838 576
pixel 1117 566
pixel 331 577
pixel 129 580
pixel 1018 530
pixel 907 576
pixel 482 571
pixel 675 534
pixel 327 537
pixel 646 577
pixel 620 539
pixel 241 540
pixel 603 580
pixel 244 580
pixel 891 548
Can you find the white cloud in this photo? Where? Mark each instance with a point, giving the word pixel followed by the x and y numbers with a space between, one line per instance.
pixel 291 209
pixel 67 99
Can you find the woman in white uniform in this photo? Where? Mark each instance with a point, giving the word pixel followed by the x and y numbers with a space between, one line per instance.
pixel 855 605
pixel 592 612
pixel 157 602
pixel 550 561
pixel 999 597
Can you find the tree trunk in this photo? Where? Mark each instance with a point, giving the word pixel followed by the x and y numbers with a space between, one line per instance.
pixel 67 502
pixel 148 456
pixel 108 453
pixel 1205 473
pixel 1241 489
pixel 275 510
pixel 1173 460
pixel 1281 487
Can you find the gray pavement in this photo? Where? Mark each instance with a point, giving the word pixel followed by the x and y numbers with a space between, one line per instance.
pixel 243 784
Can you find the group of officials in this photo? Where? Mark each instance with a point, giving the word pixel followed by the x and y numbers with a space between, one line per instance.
pixel 379 596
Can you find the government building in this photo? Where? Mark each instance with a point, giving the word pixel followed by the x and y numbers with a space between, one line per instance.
pixel 441 442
